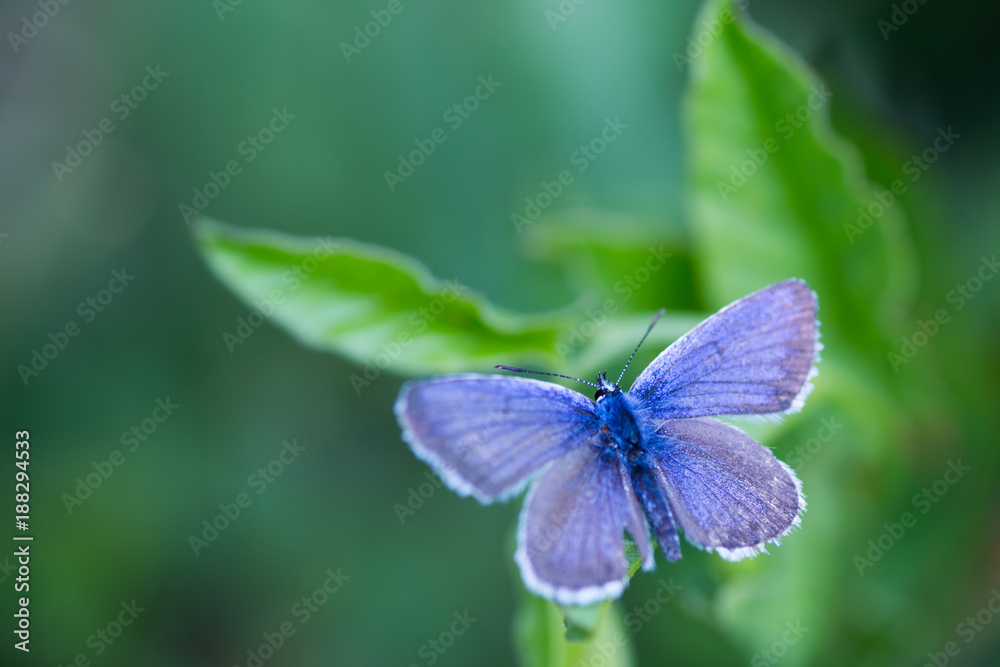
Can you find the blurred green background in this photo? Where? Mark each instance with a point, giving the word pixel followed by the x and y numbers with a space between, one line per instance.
pixel 873 444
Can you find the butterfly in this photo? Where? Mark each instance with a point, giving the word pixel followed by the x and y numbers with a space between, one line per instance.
pixel 648 460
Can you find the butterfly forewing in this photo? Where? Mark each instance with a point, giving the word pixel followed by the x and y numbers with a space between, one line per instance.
pixel 485 435
pixel 754 357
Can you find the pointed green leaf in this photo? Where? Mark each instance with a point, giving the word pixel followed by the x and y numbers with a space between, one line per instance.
pixel 373 305
pixel 775 193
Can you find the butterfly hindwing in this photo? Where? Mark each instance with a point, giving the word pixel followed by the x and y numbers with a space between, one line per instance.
pixel 570 536
pixel 754 357
pixel 726 492
pixel 485 435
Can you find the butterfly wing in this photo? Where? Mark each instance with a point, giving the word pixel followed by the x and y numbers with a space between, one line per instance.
pixel 485 435
pixel 753 357
pixel 570 546
pixel 725 491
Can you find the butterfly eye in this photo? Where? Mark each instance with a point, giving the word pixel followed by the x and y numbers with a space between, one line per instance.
pixel 604 387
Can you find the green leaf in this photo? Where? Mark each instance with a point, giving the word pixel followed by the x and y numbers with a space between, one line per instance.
pixel 607 254
pixel 547 636
pixel 371 304
pixel 775 193
pixel 582 622
pixel 383 309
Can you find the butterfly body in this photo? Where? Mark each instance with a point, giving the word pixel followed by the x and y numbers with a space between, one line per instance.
pixel 647 462
pixel 620 429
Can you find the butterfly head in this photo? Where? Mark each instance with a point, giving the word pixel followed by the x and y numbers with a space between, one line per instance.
pixel 604 387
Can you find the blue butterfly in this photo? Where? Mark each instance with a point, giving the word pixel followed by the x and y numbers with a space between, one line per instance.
pixel 646 458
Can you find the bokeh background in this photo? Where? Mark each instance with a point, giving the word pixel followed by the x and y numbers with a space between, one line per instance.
pixel 335 506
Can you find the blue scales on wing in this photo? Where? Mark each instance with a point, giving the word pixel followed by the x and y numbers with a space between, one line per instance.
pixel 570 545
pixel 726 492
pixel 486 435
pixel 753 357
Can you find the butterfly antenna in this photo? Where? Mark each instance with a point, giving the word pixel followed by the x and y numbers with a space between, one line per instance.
pixel 524 370
pixel 652 324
